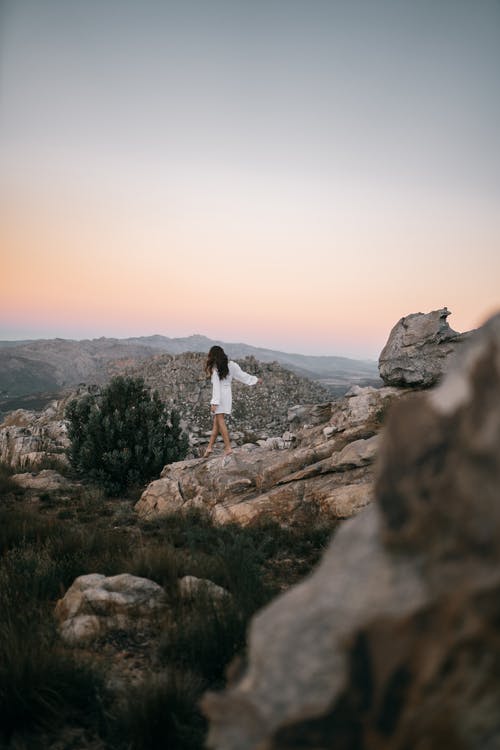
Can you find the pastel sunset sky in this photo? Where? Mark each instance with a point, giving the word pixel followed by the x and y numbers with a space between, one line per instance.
pixel 294 174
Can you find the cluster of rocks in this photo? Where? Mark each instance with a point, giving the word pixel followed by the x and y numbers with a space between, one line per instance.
pixel 95 605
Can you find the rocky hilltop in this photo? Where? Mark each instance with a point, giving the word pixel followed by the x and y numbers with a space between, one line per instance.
pixel 330 465
pixel 284 403
pixel 323 468
pixel 30 437
pixel 258 412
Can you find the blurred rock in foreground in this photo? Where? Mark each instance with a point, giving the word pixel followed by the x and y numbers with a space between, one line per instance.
pixel 393 643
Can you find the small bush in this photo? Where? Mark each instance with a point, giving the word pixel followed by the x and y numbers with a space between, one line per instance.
pixel 28 573
pixel 159 713
pixel 22 527
pixel 204 637
pixel 160 563
pixel 6 484
pixel 123 436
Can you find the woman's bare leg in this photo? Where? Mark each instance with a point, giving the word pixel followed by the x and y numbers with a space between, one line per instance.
pixel 213 436
pixel 224 432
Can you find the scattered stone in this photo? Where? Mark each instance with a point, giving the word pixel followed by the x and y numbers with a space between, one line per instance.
pixel 287 440
pixel 358 453
pixel 190 586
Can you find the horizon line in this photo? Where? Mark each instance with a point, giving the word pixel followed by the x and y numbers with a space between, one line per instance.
pixel 192 335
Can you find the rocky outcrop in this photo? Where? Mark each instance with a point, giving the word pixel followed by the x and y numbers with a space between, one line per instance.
pixel 393 642
pixel 420 349
pixel 330 467
pixel 95 605
pixel 28 438
pixel 258 412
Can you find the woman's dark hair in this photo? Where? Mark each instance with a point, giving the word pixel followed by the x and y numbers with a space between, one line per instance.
pixel 217 358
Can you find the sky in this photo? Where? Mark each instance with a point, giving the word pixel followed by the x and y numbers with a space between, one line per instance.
pixel 293 174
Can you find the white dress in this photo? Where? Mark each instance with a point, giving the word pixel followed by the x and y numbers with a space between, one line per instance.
pixel 221 388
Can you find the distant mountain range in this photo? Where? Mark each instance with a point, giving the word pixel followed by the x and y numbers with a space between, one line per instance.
pixel 49 365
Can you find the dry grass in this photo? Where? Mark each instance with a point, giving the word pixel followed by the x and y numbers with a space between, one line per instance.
pixel 48 688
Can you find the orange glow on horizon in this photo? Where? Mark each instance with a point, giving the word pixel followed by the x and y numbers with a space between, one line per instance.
pixel 102 266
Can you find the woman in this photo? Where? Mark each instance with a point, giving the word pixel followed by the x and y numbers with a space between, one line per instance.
pixel 222 373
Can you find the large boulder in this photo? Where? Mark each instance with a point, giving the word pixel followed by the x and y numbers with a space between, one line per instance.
pixel 393 641
pixel 419 349
pixel 95 605
pixel 329 466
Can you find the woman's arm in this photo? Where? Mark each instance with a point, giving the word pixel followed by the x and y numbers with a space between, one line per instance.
pixel 242 376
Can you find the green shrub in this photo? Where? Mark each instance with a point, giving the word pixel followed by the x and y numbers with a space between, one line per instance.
pixel 123 435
